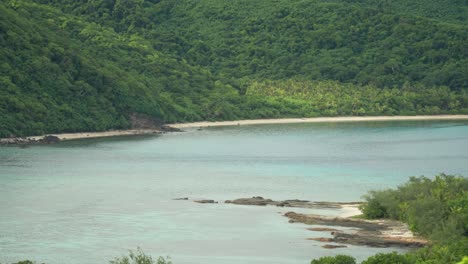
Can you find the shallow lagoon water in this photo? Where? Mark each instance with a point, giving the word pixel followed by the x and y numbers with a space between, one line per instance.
pixel 88 201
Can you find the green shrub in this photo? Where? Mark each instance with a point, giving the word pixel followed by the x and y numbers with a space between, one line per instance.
pixel 389 258
pixel 373 209
pixel 436 208
pixel 338 259
pixel 139 257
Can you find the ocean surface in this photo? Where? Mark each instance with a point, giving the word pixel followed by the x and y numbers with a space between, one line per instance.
pixel 88 201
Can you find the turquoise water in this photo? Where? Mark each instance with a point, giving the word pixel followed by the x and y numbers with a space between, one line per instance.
pixel 88 201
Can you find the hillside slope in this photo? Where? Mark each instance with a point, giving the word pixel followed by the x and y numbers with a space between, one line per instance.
pixel 68 66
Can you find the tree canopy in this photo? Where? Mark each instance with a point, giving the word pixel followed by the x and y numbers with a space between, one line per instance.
pixel 68 66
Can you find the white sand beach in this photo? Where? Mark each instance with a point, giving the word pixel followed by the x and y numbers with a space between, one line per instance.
pixel 113 133
pixel 318 120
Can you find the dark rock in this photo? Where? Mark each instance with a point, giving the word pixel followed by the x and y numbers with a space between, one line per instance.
pixel 142 121
pixel 371 233
pixel 257 200
pixel 296 201
pixel 50 139
pixel 322 229
pixel 372 240
pixel 179 199
pixel 322 239
pixel 333 246
pixel 335 221
pixel 283 204
pixel 21 141
pixel 205 201
pixel 166 128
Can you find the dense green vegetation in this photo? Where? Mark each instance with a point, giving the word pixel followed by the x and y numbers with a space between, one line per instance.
pixel 434 208
pixel 68 65
pixel 316 40
pixel 453 11
pixel 331 98
pixel 338 259
pixel 437 209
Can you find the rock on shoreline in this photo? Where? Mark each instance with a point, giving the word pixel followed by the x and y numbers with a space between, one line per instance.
pixel 205 201
pixel 82 135
pixel 373 233
pixel 260 201
pixel 48 139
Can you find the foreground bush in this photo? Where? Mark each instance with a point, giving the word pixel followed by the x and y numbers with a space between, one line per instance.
pixel 338 259
pixel 139 257
pixel 437 209
pixel 390 258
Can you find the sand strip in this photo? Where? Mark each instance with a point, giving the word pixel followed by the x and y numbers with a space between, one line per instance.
pixel 69 136
pixel 113 133
pixel 348 210
pixel 319 120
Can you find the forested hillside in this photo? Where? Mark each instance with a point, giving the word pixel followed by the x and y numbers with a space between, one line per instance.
pixel 87 65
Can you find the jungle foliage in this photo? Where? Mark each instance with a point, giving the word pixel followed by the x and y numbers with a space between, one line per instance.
pixel 434 208
pixel 82 65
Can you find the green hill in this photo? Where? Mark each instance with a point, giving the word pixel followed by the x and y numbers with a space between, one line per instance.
pixel 69 66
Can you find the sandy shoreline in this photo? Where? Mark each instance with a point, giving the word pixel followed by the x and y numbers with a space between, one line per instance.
pixel 318 120
pixel 345 229
pixel 81 135
pixel 70 136
pixel 113 133
pixel 349 210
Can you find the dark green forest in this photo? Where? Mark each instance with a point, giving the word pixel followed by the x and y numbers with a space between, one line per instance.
pixel 88 65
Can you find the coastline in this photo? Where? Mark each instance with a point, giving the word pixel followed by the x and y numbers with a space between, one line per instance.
pixel 80 135
pixel 344 227
pixel 71 136
pixel 318 120
pixel 179 126
pixel 349 210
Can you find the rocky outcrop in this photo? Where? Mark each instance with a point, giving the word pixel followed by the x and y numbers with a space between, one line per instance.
pixel 322 229
pixel 373 233
pixel 50 139
pixel 256 200
pixel 333 246
pixel 260 201
pixel 22 141
pixel 205 201
pixel 16 141
pixel 321 239
pixel 166 128
pixel 334 221
pixel 142 121
pixel 371 239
